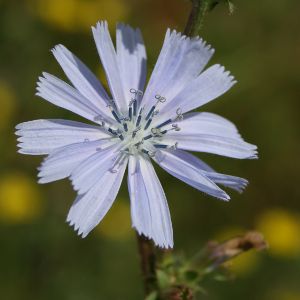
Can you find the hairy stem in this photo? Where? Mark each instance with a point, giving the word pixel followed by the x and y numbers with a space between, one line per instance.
pixel 195 21
pixel 148 263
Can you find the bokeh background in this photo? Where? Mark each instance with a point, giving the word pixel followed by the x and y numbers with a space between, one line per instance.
pixel 40 255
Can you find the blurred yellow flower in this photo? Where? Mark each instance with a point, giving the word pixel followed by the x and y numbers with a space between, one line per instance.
pixel 20 200
pixel 117 225
pixel 244 263
pixel 75 15
pixel 8 105
pixel 282 231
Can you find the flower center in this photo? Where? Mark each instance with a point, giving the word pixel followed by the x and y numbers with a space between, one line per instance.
pixel 135 130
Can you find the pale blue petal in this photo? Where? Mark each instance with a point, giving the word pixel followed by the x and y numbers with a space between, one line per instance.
pixel 188 173
pixel 204 122
pixel 109 61
pixel 205 132
pixel 60 163
pixel 92 169
pixel 83 79
pixel 180 61
pixel 215 144
pixel 149 207
pixel 131 58
pixel 63 95
pixel 44 136
pixel 89 209
pixel 232 182
pixel 208 86
pixel 140 203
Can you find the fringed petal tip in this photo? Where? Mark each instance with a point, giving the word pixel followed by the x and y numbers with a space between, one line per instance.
pixel 20 150
pixel 173 33
pixel 56 48
pixel 243 184
pixel 254 152
pixel 19 127
pixel 59 50
pixel 42 80
pixel 164 245
pixel 76 187
pixel 76 228
pixel 225 197
pixel 222 195
pixel 228 76
pixel 159 244
pixel 100 24
pixel 42 180
pixel 238 184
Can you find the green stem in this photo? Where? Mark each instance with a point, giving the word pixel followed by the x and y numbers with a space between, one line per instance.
pixel 195 22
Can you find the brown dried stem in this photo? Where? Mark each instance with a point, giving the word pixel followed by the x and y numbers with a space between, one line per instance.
pixel 148 264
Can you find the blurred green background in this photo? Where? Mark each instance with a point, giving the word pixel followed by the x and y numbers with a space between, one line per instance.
pixel 41 257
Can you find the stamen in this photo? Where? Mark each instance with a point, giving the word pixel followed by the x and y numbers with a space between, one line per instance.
pixel 155 131
pixel 162 146
pixel 179 114
pixel 148 137
pixel 175 127
pixel 119 133
pixel 150 112
pixel 160 99
pixel 148 124
pixel 135 131
pixel 130 112
pixel 112 131
pixel 139 143
pixel 138 121
pixel 150 153
pixel 134 107
pixel 125 126
pixel 145 151
pixel 150 120
pixel 136 93
pixel 114 114
pixel 164 123
pixel 131 104
pixel 178 118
